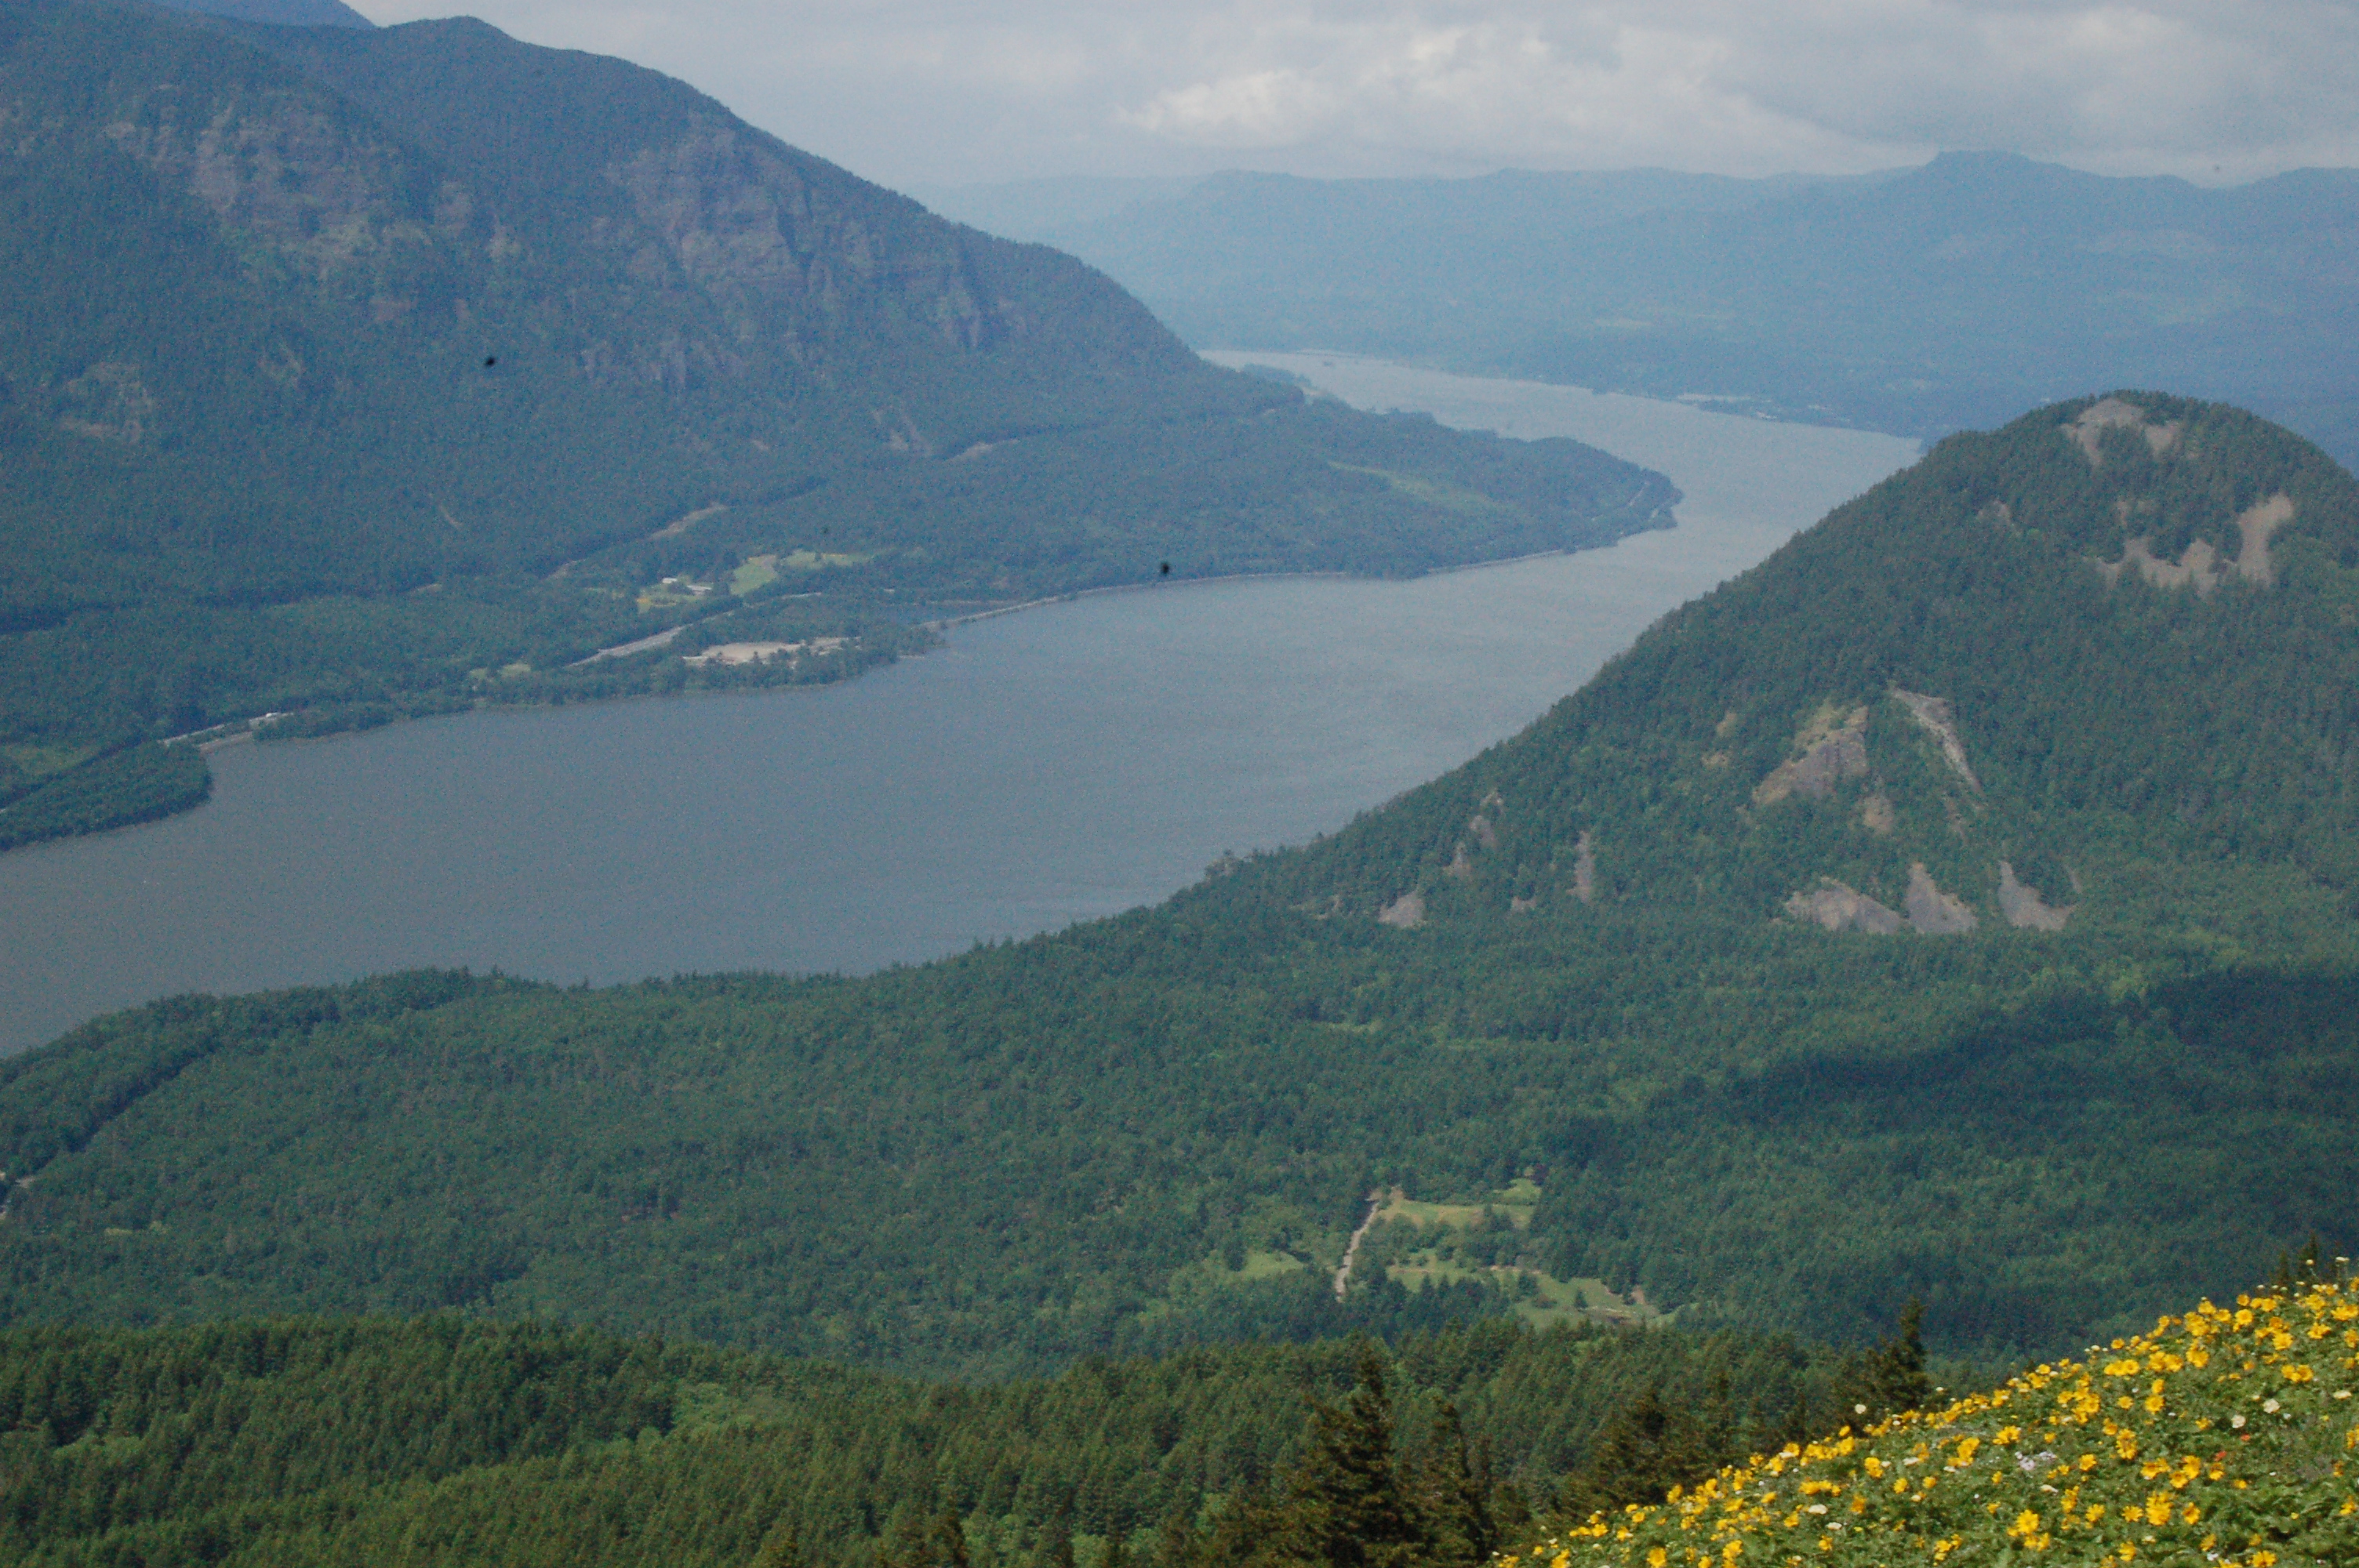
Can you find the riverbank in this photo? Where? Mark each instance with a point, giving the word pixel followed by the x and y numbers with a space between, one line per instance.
pixel 1033 770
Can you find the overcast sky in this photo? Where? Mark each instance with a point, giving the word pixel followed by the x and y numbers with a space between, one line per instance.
pixel 916 91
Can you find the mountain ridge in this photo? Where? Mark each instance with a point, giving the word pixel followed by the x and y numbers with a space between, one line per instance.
pixel 432 363
pixel 1920 301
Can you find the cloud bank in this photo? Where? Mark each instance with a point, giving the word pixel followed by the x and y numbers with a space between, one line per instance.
pixel 922 90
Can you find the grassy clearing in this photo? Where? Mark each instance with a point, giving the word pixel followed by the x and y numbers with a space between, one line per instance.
pixel 1264 1265
pixel 1442 1243
pixel 1431 492
pixel 816 560
pixel 755 571
pixel 1514 1203
pixel 672 592
pixel 1552 1299
pixel 36 761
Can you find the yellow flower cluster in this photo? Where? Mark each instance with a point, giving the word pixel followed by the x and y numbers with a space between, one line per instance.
pixel 2223 1438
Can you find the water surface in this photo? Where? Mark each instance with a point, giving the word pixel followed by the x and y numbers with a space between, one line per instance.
pixel 1053 765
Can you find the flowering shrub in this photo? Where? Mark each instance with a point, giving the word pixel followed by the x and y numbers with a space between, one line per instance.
pixel 2227 1437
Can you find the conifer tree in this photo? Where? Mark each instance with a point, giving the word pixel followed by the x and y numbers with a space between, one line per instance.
pixel 1177 1542
pixel 1452 1493
pixel 779 1549
pixel 1890 1378
pixel 1056 1543
pixel 1648 1447
pixel 1346 1506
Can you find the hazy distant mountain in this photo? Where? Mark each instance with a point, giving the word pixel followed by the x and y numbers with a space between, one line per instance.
pixel 1920 302
pixel 1034 210
pixel 278 12
pixel 299 314
pixel 1332 216
pixel 1956 905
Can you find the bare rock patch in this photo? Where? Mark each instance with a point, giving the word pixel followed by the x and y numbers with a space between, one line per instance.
pixel 1832 746
pixel 1875 814
pixel 1932 911
pixel 1838 906
pixel 2024 908
pixel 1940 719
pixel 1406 912
pixel 2201 567
pixel 2088 431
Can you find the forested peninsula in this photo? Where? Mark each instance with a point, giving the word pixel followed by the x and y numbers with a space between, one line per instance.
pixel 431 370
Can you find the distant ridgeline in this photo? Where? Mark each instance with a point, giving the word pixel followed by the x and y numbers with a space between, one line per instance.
pixel 348 373
pixel 1920 301
pixel 1958 906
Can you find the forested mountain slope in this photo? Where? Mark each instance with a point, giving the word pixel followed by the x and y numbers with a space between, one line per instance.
pixel 1920 301
pixel 368 1441
pixel 358 370
pixel 1958 905
pixel 2116 633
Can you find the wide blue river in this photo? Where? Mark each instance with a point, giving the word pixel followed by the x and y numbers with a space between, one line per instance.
pixel 1044 767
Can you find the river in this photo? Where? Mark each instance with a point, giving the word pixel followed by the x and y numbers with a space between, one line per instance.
pixel 1044 767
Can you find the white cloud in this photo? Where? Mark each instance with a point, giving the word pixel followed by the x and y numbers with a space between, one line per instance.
pixel 923 90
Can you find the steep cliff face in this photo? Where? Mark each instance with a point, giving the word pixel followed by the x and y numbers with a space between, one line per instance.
pixel 371 309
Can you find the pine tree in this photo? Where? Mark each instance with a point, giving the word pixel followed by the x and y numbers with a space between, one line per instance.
pixel 1176 1543
pixel 1344 1503
pixel 1647 1448
pixel 1056 1543
pixel 947 1542
pixel 779 1549
pixel 1452 1495
pixel 1892 1377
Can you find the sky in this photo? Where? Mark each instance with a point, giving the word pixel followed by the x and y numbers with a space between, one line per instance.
pixel 916 93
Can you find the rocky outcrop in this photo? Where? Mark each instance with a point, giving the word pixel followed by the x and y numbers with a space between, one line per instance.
pixel 2024 908
pixel 1830 748
pixel 1835 905
pixel 1940 719
pixel 1406 912
pixel 2087 432
pixel 108 401
pixel 1584 868
pixel 1931 911
pixel 2200 566
pixel 1838 906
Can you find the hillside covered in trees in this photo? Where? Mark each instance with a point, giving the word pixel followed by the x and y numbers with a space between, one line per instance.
pixel 454 1441
pixel 1957 906
pixel 353 372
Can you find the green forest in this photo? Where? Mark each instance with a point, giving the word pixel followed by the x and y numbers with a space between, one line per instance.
pixel 454 1441
pixel 469 360
pixel 1794 1072
pixel 1601 1028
